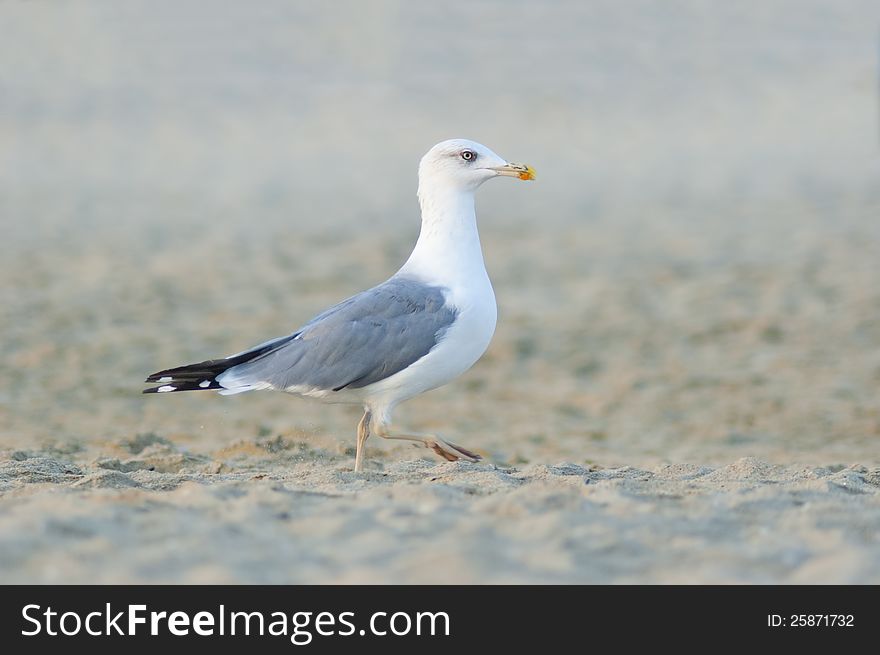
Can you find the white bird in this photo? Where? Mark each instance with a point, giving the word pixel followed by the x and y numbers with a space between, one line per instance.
pixel 423 327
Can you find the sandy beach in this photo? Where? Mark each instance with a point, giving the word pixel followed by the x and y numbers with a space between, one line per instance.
pixel 684 386
pixel 688 442
pixel 251 515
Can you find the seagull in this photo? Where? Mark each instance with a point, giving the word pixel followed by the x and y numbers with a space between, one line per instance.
pixel 423 327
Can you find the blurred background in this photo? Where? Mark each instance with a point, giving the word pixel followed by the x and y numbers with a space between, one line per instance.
pixel 693 276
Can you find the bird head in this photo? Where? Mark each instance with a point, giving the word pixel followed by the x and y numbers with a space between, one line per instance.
pixel 466 165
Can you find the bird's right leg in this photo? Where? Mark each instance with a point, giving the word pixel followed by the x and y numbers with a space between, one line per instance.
pixel 447 450
pixel 363 435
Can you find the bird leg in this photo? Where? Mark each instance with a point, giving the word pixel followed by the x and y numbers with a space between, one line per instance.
pixel 363 435
pixel 445 449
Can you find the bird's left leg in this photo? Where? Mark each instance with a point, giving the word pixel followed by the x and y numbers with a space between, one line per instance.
pixel 445 449
pixel 363 435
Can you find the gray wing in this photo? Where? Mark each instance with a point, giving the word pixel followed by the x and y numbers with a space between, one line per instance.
pixel 362 340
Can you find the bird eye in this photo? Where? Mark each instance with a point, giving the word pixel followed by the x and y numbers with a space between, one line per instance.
pixel 468 155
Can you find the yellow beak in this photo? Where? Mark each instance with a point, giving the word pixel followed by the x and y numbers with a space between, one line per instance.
pixel 522 171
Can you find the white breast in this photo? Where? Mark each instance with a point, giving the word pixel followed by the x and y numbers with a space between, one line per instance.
pixel 448 255
pixel 463 343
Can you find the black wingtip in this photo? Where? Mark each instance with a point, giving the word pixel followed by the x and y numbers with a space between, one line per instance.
pixel 173 386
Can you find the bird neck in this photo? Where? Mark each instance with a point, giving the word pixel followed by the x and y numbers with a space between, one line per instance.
pixel 448 249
